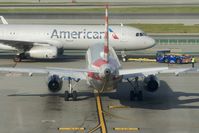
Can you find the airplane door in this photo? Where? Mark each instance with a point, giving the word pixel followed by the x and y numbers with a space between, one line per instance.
pixel 123 34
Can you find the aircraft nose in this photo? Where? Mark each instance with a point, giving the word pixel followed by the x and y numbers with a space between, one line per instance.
pixel 151 42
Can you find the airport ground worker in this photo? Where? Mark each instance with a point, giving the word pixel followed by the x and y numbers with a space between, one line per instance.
pixel 193 61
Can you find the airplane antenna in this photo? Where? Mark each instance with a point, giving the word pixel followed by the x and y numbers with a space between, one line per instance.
pixel 106 37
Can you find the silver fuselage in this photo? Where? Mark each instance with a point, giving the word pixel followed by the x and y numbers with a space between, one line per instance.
pixel 72 36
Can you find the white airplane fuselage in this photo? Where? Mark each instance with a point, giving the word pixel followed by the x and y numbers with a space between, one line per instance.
pixel 73 36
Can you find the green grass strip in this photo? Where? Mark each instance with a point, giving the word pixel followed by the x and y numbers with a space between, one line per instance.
pixel 194 9
pixel 167 28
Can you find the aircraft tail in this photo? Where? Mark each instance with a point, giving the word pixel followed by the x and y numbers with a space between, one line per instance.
pixel 106 37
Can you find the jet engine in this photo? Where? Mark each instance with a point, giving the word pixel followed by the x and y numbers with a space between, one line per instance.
pixel 151 83
pixel 43 52
pixel 54 83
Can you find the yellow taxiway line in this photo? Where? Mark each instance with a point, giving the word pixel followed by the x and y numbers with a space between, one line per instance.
pixel 126 129
pixel 142 59
pixel 102 124
pixel 116 106
pixel 100 114
pixel 71 129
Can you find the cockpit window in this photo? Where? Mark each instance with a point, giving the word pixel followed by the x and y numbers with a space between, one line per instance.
pixel 140 34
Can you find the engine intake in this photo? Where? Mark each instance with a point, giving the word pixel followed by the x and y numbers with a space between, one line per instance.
pixel 151 83
pixel 54 83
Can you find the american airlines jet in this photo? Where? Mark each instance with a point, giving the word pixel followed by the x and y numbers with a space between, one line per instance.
pixel 103 72
pixel 49 41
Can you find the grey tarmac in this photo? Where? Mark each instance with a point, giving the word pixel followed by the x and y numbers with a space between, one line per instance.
pixel 174 108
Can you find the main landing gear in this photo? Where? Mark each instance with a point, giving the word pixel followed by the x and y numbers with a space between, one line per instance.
pixel 19 57
pixel 124 56
pixel 71 93
pixel 135 93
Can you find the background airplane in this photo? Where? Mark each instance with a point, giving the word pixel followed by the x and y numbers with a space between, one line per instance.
pixel 103 72
pixel 49 41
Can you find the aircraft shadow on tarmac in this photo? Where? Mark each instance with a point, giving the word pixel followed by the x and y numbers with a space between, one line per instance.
pixel 165 98
pixel 81 95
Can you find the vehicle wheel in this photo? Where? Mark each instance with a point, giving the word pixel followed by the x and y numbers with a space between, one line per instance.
pixel 74 95
pixel 66 96
pixel 124 59
pixel 132 95
pixel 140 96
pixel 178 61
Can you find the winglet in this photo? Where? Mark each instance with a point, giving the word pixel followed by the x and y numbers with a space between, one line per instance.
pixel 3 20
pixel 106 37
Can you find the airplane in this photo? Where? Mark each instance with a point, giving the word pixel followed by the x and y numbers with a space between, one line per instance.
pixel 103 72
pixel 50 41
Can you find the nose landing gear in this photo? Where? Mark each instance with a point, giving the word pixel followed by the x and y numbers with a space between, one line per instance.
pixel 124 56
pixel 19 57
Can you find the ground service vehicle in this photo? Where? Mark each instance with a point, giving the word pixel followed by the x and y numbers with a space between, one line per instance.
pixel 167 57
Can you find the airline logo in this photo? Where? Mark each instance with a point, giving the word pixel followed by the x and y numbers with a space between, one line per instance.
pixel 83 34
pixel 113 34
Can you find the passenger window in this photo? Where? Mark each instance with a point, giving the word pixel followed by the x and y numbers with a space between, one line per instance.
pixel 141 34
pixel 137 34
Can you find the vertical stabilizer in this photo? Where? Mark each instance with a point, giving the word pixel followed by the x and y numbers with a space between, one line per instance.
pixel 106 37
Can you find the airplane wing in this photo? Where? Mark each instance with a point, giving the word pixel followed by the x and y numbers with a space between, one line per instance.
pixel 20 45
pixel 82 73
pixel 64 73
pixel 143 72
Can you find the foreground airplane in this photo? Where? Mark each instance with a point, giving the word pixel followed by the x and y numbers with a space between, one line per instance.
pixel 103 72
pixel 49 41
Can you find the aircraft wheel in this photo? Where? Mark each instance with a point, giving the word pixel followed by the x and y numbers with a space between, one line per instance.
pixel 66 96
pixel 17 58
pixel 140 96
pixel 74 95
pixel 132 95
pixel 124 59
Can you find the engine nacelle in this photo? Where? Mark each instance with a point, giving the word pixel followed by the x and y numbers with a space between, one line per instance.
pixel 151 83
pixel 54 83
pixel 43 52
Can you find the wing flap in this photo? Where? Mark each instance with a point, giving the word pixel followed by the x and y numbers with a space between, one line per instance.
pixel 143 72
pixel 140 72
pixel 19 44
pixel 24 70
